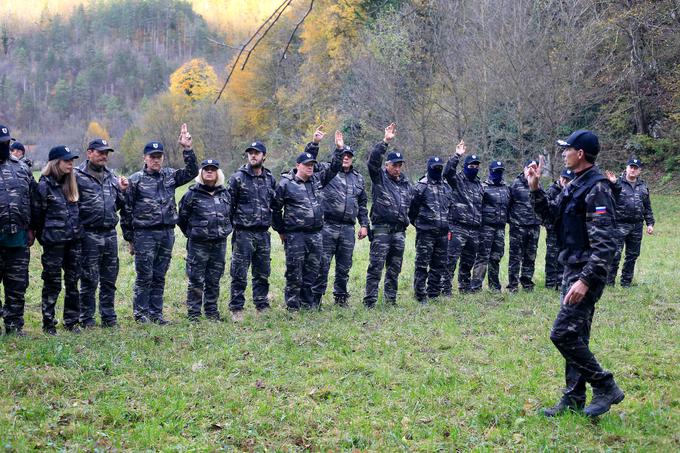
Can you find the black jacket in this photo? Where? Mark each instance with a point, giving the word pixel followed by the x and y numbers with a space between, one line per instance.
pixel 495 202
pixel 56 219
pixel 430 205
pixel 205 215
pixel 17 188
pixel 251 197
pixel 98 201
pixel 466 208
pixel 391 197
pixel 521 211
pixel 632 201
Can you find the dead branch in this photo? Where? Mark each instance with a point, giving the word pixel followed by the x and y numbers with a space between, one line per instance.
pixel 283 56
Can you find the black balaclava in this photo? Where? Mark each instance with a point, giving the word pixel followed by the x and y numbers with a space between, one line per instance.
pixel 496 176
pixel 4 150
pixel 470 173
pixel 435 173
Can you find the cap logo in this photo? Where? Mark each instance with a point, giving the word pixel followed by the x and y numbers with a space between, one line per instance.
pixel 474 157
pixel 4 130
pixel 254 144
pixel 155 145
pixel 67 150
pixel 309 155
pixel 398 155
pixel 104 143
pixel 498 163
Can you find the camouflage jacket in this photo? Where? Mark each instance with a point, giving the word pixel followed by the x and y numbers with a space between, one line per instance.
pixel 298 205
pixel 17 188
pixel 55 219
pixel 150 198
pixel 251 197
pixel 495 202
pixel 632 201
pixel 98 201
pixel 466 208
pixel 520 210
pixel 552 192
pixel 204 215
pixel 391 198
pixel 430 205
pixel 585 223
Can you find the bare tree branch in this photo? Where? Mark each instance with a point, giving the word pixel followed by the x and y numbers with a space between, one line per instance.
pixel 283 56
pixel 264 34
pixel 222 44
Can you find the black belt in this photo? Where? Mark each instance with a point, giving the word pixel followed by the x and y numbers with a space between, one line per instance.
pixel 387 228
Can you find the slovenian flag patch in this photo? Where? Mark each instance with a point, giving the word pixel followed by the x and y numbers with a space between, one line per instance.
pixel 600 210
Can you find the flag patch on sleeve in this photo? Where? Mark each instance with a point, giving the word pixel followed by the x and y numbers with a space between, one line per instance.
pixel 600 210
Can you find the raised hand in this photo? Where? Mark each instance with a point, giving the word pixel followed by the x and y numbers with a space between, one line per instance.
pixel 390 132
pixel 461 148
pixel 123 183
pixel 339 140
pixel 318 135
pixel 533 176
pixel 610 176
pixel 185 139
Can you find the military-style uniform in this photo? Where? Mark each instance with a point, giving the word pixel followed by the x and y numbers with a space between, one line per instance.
pixel 429 213
pixel 151 215
pixel 465 220
pixel 525 229
pixel 252 196
pixel 344 201
pixel 584 220
pixel 204 218
pixel 100 199
pixel 553 269
pixel 58 229
pixel 297 212
pixel 17 188
pixel 391 199
pixel 632 208
pixel 495 202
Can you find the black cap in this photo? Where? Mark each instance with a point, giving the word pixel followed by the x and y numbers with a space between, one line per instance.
pixel 582 139
pixel 434 161
pixel 530 162
pixel 566 173
pixel 210 163
pixel 99 144
pixel 4 134
pixel 257 146
pixel 471 159
pixel 348 150
pixel 496 165
pixel 395 157
pixel 61 152
pixel 17 145
pixel 634 162
pixel 153 147
pixel 305 158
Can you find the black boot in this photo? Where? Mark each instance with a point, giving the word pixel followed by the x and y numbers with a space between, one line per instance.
pixel 566 403
pixel 603 398
pixel 341 301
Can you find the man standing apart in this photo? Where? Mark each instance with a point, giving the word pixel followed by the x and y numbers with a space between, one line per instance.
pixel 391 195
pixel 632 207
pixel 584 219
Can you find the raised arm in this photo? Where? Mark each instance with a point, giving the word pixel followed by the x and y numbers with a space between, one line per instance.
pixel 452 165
pixel 190 170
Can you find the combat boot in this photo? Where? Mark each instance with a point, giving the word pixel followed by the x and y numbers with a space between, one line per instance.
pixel 603 398
pixel 341 301
pixel 566 403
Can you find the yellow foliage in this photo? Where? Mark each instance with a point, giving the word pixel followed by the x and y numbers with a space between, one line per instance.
pixel 96 130
pixel 195 79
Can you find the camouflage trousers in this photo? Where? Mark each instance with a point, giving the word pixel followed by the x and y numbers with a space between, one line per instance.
pixel 489 255
pixel 205 267
pixel 64 256
pixel 386 252
pixel 431 260
pixel 463 244
pixel 523 246
pixel 100 269
pixel 630 236
pixel 304 253
pixel 14 278
pixel 571 336
pixel 553 268
pixel 153 251
pixel 338 242
pixel 250 247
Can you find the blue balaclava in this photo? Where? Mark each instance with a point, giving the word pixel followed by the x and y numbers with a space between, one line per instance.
pixel 470 173
pixel 496 176
pixel 435 167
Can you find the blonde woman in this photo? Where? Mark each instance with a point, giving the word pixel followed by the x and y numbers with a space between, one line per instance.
pixel 58 230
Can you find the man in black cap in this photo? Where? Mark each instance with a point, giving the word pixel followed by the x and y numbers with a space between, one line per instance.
pixel 429 213
pixel 465 218
pixel 391 196
pixel 19 152
pixel 553 268
pixel 101 197
pixel 149 224
pixel 585 220
pixel 495 201
pixel 252 191
pixel 525 229
pixel 17 188
pixel 632 208
pixel 297 215
pixel 344 202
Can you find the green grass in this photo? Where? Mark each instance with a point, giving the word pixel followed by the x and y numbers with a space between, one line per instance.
pixel 463 373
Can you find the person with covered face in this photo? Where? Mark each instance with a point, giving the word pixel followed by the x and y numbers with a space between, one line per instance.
pixel 17 189
pixel 465 218
pixel 58 229
pixel 344 203
pixel 553 268
pixel 391 195
pixel 204 218
pixel 633 207
pixel 495 202
pixel 297 215
pixel 149 224
pixel 429 213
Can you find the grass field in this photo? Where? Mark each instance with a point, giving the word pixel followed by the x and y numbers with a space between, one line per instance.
pixel 463 373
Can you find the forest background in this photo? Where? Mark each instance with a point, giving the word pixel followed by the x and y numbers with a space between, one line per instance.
pixel 508 77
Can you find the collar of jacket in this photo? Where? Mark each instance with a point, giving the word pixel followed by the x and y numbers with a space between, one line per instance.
pixel 199 188
pixel 84 168
pixel 246 168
